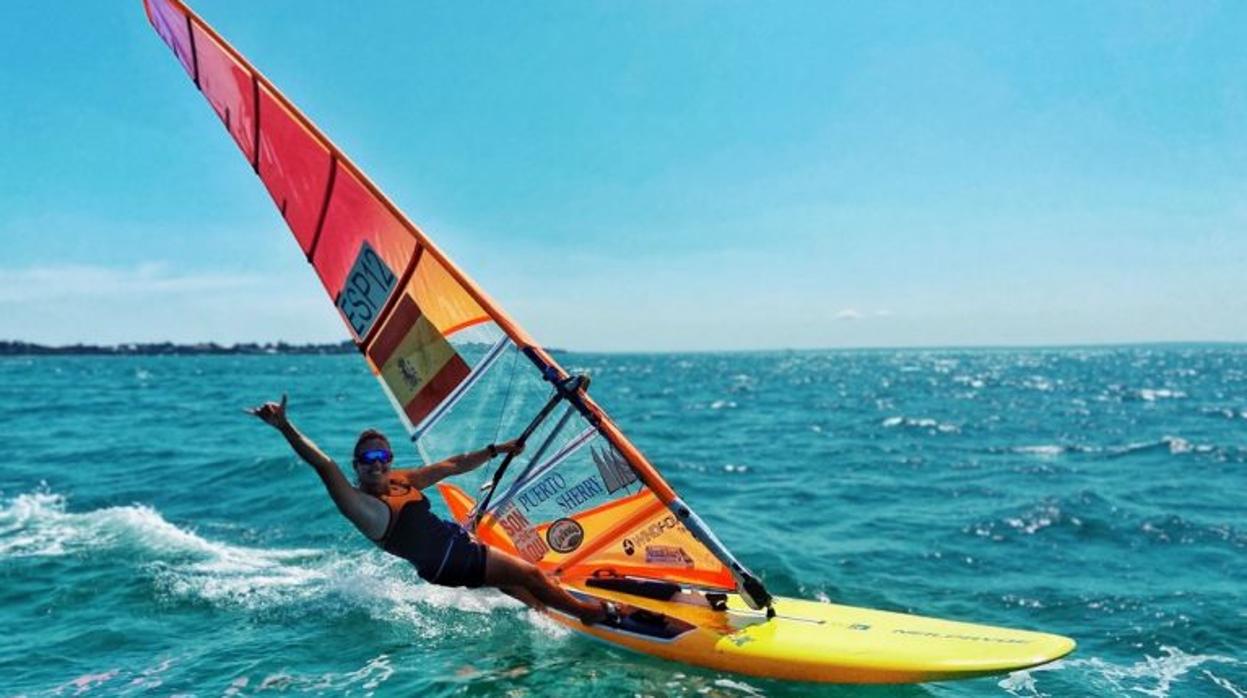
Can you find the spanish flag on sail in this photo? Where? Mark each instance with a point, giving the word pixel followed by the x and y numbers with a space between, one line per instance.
pixel 415 361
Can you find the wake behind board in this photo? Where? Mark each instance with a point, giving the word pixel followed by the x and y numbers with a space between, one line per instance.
pixel 811 641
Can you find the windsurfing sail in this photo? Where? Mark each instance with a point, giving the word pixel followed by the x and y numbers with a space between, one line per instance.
pixel 581 501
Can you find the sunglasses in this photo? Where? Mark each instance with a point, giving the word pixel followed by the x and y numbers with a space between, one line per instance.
pixel 375 456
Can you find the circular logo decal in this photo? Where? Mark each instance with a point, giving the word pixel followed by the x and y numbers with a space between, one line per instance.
pixel 628 547
pixel 565 535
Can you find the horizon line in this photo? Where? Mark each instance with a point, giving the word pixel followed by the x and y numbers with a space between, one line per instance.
pixel 756 350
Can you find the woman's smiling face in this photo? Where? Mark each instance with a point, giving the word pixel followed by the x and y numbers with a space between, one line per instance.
pixel 372 464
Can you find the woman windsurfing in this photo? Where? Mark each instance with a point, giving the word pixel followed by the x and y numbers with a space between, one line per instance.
pixel 390 509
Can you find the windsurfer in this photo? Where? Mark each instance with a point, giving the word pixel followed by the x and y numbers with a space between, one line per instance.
pixel 389 507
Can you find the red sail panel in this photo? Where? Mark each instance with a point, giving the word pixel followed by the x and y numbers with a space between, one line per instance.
pixel 355 215
pixel 302 170
pixel 228 86
pixel 294 165
pixel 170 23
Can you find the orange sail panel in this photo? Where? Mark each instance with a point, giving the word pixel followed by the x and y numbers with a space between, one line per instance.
pixel 579 510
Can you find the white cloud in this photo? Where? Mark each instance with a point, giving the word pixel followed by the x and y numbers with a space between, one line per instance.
pixel 47 283
pixel 154 301
pixel 855 314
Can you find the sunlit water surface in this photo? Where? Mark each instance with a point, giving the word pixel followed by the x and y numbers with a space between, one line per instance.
pixel 156 540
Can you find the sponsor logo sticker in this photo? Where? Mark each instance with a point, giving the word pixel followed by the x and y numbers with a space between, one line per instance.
pixel 667 555
pixel 584 491
pixel 527 541
pixel 565 535
pixel 650 532
pixel 538 492
pixel 615 471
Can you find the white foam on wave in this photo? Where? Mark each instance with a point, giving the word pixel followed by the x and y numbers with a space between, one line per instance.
pixel 920 423
pixel 1176 445
pixel 115 680
pixel 1040 383
pixel 1044 450
pixel 546 627
pixel 368 677
pixel 38 524
pixel 1225 683
pixel 1037 519
pixel 739 686
pixel 184 565
pixel 1151 676
pixel 1154 394
pixel 972 381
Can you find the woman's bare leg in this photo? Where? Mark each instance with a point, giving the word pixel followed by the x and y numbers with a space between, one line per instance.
pixel 507 572
pixel 523 595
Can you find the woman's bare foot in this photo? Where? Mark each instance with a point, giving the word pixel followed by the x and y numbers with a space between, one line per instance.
pixel 608 613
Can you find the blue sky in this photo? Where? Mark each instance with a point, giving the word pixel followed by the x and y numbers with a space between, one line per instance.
pixel 637 176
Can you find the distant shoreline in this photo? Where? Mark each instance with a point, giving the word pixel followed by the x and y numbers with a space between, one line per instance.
pixel 15 348
pixel 20 348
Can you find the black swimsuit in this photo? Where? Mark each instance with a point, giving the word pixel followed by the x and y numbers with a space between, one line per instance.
pixel 442 552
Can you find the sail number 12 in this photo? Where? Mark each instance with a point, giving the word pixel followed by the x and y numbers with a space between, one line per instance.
pixel 366 290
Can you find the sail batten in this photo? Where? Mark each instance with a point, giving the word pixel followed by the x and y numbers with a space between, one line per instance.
pixel 438 345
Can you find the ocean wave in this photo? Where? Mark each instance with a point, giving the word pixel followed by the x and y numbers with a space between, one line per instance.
pixel 1027 523
pixel 1175 445
pixel 368 678
pixel 1044 450
pixel 38 524
pixel 920 423
pixel 182 565
pixel 1150 676
pixel 1089 515
pixel 117 679
pixel 1176 529
pixel 1224 412
pixel 1040 383
pixel 975 382
pixel 1154 394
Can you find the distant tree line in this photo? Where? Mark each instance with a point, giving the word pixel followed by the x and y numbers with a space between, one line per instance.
pixel 17 348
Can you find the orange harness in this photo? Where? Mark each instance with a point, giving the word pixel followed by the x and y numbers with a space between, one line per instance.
pixel 398 497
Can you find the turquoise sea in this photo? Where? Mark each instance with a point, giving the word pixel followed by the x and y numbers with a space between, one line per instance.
pixel 156 540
